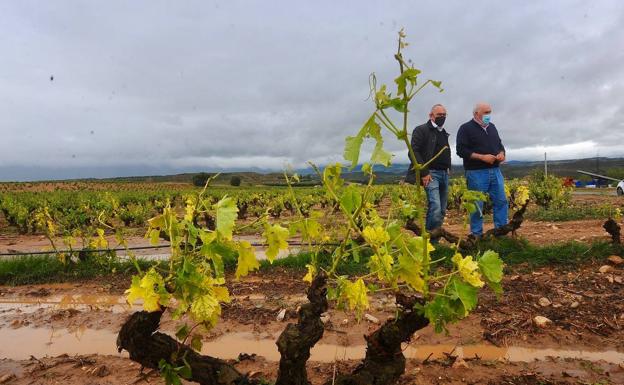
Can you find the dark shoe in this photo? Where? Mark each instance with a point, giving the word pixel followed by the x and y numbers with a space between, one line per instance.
pixel 475 238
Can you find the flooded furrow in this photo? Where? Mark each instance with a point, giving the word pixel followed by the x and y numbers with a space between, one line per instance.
pixel 83 302
pixel 40 342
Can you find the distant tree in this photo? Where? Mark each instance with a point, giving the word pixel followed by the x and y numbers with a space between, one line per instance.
pixel 615 172
pixel 235 180
pixel 200 179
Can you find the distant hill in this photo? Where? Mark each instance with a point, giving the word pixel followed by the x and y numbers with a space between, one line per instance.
pixel 613 167
pixel 247 178
pixel 389 175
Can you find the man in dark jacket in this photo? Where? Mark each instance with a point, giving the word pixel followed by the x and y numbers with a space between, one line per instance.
pixel 479 145
pixel 428 140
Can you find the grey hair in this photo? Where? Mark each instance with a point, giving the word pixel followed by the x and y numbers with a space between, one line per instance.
pixel 436 105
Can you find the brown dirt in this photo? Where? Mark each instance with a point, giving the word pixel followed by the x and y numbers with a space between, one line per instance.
pixel 598 321
pixel 545 233
pixel 97 369
pixel 596 324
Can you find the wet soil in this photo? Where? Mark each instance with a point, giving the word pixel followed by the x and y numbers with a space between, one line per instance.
pixel 498 343
pixel 99 369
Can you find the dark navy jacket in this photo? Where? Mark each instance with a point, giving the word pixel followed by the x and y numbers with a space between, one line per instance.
pixel 471 138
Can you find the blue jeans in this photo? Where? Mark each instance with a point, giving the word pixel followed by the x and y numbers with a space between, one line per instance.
pixel 437 197
pixel 490 181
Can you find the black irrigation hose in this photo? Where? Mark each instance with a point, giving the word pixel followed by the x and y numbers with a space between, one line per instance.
pixel 137 248
pixel 79 250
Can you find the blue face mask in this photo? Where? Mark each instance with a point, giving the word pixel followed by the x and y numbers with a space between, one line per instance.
pixel 486 119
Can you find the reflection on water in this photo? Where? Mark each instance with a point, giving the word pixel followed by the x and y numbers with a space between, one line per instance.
pixel 89 302
pixel 23 342
pixel 41 342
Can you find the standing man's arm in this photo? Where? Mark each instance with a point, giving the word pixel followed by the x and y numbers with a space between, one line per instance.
pixel 417 143
pixel 462 146
pixel 500 157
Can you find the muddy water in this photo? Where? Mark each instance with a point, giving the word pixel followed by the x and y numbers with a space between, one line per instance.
pixel 230 345
pixel 89 302
pixel 115 303
pixel 21 343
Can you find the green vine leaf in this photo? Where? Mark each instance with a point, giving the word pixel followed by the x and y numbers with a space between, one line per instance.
pixel 351 199
pixel 464 292
pixel 226 213
pixel 409 75
pixel 353 144
pixel 491 266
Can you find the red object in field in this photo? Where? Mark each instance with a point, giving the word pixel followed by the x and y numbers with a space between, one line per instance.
pixel 568 182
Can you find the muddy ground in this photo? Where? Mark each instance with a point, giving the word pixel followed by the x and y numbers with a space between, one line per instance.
pixel 65 333
pixel 498 344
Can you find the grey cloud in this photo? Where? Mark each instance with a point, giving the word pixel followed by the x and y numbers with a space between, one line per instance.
pixel 164 85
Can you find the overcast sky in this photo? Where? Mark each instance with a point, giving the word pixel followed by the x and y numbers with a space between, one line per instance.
pixel 162 86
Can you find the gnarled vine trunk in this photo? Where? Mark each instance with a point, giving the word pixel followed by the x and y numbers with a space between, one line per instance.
pixel 384 362
pixel 296 340
pixel 613 229
pixel 146 346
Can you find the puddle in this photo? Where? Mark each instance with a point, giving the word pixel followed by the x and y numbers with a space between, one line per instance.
pixel 88 302
pixel 41 342
pixel 114 303
pixel 230 345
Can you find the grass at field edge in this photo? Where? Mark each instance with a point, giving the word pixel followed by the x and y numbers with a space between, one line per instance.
pixel 48 269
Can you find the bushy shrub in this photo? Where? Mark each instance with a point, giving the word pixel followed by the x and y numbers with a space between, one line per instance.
pixel 201 179
pixel 548 191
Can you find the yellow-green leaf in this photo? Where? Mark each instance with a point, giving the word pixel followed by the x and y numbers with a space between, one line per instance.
pixel 311 273
pixel 375 236
pixel 382 265
pixel 468 269
pixel 150 288
pixel 410 270
pixel 275 237
pixel 206 308
pixel 246 259
pixel 356 294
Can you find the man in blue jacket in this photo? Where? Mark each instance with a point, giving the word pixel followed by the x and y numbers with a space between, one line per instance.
pixel 481 149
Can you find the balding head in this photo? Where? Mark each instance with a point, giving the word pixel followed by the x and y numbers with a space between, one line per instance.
pixel 437 107
pixel 481 109
pixel 438 112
